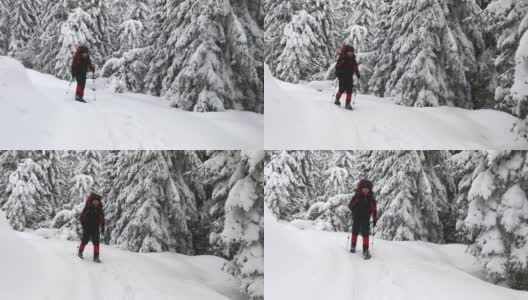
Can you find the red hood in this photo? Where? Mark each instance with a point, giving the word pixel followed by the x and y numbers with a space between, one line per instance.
pixel 89 201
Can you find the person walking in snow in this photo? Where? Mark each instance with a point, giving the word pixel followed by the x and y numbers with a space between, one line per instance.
pixel 81 64
pixel 92 218
pixel 345 69
pixel 363 206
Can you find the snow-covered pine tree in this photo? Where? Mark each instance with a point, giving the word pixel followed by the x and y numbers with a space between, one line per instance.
pixel 245 37
pixel 103 30
pixel 88 24
pixel 332 214
pixel 5 28
pixel 243 234
pixel 205 57
pixel 290 183
pixel 343 10
pixel 303 48
pixel 427 59
pixel 381 69
pixel 91 166
pixel 510 24
pixel 77 30
pixel 360 30
pixel 497 217
pixel 8 164
pixel 23 23
pixel 30 196
pixel 214 176
pixel 463 166
pixel 127 69
pixel 409 194
pixel 149 202
pixel 340 176
pixel 53 15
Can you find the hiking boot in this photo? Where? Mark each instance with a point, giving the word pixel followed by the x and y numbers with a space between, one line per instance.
pixel 348 106
pixel 96 258
pixel 353 249
pixel 337 102
pixel 80 254
pixel 79 98
pixel 366 254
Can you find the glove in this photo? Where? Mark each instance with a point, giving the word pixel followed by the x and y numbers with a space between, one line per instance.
pixel 102 229
pixel 374 222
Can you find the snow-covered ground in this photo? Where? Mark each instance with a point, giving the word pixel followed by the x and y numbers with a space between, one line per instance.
pixel 309 264
pixel 302 116
pixel 36 268
pixel 36 113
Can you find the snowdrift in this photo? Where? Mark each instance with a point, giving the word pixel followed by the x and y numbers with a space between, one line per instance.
pixel 309 264
pixel 36 113
pixel 37 268
pixel 303 116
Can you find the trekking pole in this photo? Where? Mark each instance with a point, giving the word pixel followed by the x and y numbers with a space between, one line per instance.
pixel 69 87
pixel 373 235
pixel 332 99
pixel 93 77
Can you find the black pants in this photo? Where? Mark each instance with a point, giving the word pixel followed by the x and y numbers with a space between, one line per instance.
pixel 90 234
pixel 361 225
pixel 346 85
pixel 81 83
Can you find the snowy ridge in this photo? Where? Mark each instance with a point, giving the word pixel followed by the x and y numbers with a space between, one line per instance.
pixel 36 113
pixel 310 264
pixel 302 116
pixel 55 272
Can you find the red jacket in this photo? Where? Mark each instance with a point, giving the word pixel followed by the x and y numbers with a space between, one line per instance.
pixel 92 216
pixel 81 66
pixel 364 205
pixel 346 66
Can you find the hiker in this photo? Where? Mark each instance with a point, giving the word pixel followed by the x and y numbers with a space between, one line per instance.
pixel 363 206
pixel 345 69
pixel 92 217
pixel 81 64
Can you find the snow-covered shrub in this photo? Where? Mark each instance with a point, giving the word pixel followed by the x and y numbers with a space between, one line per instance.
pixel 332 215
pixel 126 73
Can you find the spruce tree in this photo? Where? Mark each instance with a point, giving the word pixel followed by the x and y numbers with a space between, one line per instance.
pixel 510 25
pixel 290 183
pixel 30 196
pixel 302 42
pixel 409 193
pixel 23 23
pixel 497 216
pixel 206 57
pixel 150 203
pixel 5 28
pixel 243 234
pixel 429 57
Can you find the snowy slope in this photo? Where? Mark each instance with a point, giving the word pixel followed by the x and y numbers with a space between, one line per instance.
pixel 303 117
pixel 36 113
pixel 309 264
pixel 37 268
